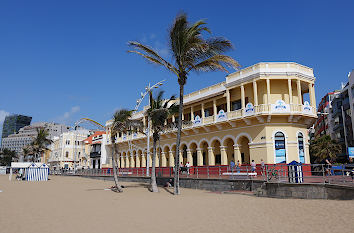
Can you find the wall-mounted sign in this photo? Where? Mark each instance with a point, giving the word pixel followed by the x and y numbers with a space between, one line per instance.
pixel 306 108
pixel 221 116
pixel 249 109
pixel 197 120
pixel 351 152
pixel 124 137
pixel 280 107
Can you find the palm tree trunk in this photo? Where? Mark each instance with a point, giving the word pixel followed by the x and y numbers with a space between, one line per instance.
pixel 178 142
pixel 153 168
pixel 118 188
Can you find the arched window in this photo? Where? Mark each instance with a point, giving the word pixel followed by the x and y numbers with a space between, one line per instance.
pixel 300 144
pixel 280 151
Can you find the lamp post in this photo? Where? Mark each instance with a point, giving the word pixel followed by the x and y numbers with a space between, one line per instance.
pixel 148 90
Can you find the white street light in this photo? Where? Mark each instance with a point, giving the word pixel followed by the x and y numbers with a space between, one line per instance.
pixel 148 90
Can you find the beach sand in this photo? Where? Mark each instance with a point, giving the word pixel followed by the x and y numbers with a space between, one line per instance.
pixel 73 204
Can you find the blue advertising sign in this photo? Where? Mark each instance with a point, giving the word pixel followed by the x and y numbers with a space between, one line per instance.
pixel 351 152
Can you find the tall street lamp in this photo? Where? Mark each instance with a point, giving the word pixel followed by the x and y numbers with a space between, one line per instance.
pixel 148 90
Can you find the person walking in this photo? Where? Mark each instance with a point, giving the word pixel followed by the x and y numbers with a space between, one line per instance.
pixel 238 166
pixel 187 167
pixel 232 166
pixel 253 166
pixel 262 167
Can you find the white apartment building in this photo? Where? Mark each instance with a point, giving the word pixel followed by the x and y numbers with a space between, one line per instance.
pixel 70 147
pixel 26 135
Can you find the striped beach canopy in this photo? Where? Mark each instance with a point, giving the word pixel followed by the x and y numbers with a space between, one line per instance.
pixel 37 173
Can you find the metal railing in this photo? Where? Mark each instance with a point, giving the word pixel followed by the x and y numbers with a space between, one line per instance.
pixel 282 173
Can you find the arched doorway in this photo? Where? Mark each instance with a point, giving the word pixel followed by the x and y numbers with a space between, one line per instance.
pixel 204 148
pixel 244 149
pixel 193 148
pixel 217 153
pixel 229 144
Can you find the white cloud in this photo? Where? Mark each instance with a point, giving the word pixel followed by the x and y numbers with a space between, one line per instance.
pixel 67 115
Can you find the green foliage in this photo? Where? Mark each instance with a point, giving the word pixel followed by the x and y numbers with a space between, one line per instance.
pixel 323 147
pixel 7 156
pixel 122 122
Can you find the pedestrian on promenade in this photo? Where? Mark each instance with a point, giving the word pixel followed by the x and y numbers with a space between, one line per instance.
pixel 232 166
pixel 262 167
pixel 187 167
pixel 253 166
pixel 238 166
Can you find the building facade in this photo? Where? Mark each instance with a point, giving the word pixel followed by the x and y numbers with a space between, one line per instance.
pixel 68 148
pixel 26 135
pixel 13 123
pixel 259 112
pixel 97 149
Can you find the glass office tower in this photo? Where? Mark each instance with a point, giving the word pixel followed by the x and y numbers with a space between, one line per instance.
pixel 13 123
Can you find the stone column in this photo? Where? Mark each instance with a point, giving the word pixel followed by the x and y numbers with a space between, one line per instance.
pixel 157 160
pixel 122 162
pixel 223 155
pixel 243 97
pixel 255 93
pixel 298 84
pixel 211 156
pixel 163 159
pixel 228 104
pixel 137 161
pixel 290 91
pixel 215 109
pixel 180 157
pixel 143 160
pixel 118 161
pixel 237 154
pixel 189 157
pixel 199 157
pixel 173 118
pixel 127 163
pixel 132 163
pixel 192 113
pixel 171 159
pixel 312 95
pixel 203 114
pixel 268 91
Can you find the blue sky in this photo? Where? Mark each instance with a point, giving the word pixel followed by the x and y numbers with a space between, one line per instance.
pixel 63 60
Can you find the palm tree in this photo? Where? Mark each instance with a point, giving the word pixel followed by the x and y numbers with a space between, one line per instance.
pixel 27 150
pixel 324 147
pixel 121 122
pixel 7 156
pixel 158 113
pixel 190 52
pixel 40 143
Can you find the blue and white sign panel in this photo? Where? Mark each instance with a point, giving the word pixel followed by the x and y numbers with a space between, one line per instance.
pixel 34 173
pixel 221 116
pixel 249 109
pixel 351 152
pixel 280 107
pixel 197 120
pixel 306 108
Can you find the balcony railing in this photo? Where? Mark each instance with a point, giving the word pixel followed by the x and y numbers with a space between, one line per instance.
pixel 262 109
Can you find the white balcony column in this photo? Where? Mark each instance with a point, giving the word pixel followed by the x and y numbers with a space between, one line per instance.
pixel 171 159
pixel 137 161
pixel 243 98
pixel 255 93
pixel 312 95
pixel 299 91
pixel 203 113
pixel 237 154
pixel 290 91
pixel 199 157
pixel 211 157
pixel 163 159
pixel 268 90
pixel 228 104
pixel 215 110
pixel 192 113
pixel 189 157
pixel 223 154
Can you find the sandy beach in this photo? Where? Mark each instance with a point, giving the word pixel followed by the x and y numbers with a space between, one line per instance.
pixel 73 204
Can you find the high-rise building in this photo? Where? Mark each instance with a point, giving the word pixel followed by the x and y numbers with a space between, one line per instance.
pixel 13 123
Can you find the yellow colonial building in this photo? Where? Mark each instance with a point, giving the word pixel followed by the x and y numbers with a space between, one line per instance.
pixel 260 112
